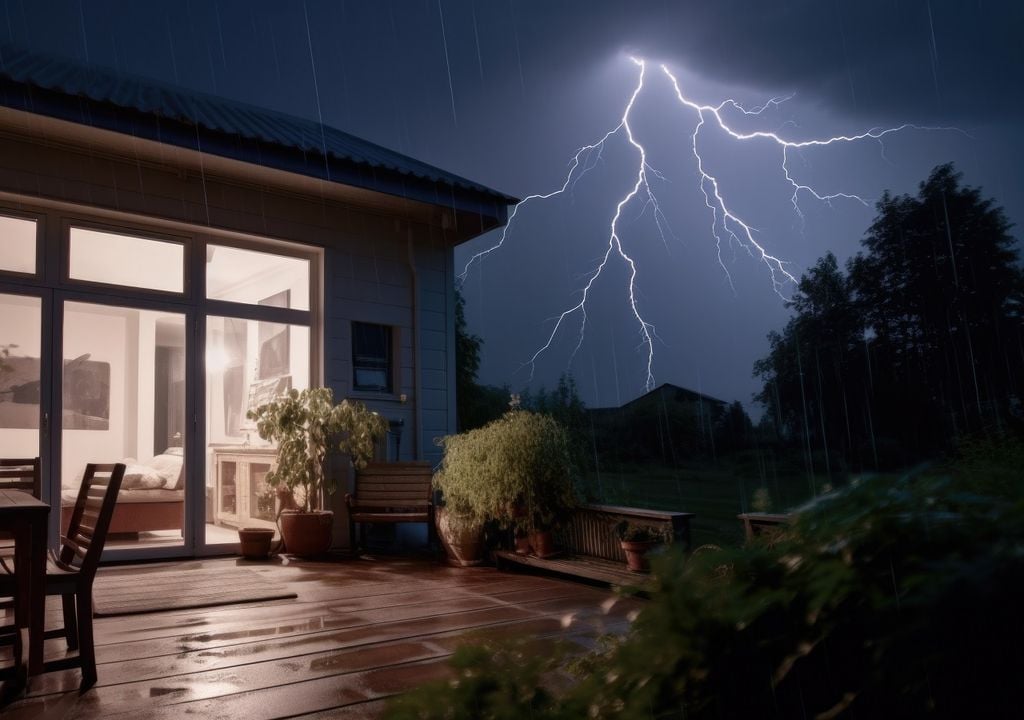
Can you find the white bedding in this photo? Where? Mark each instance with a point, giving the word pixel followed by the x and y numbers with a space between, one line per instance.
pixel 160 479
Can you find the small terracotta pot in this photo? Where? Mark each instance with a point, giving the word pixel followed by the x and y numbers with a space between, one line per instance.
pixel 543 543
pixel 307 533
pixel 522 544
pixel 255 542
pixel 636 555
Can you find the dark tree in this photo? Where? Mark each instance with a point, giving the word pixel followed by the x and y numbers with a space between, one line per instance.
pixel 564 405
pixel 939 288
pixel 733 430
pixel 920 343
pixel 812 369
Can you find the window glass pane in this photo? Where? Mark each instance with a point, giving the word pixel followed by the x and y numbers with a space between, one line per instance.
pixel 20 352
pixel 114 259
pixel 248 363
pixel 17 245
pixel 371 357
pixel 256 278
pixel 123 400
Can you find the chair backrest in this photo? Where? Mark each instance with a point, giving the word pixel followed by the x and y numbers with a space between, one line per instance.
pixel 393 485
pixel 90 520
pixel 21 474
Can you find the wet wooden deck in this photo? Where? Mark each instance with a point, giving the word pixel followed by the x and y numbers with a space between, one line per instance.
pixel 359 632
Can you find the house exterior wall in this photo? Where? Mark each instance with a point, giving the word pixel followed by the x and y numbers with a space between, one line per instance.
pixel 379 267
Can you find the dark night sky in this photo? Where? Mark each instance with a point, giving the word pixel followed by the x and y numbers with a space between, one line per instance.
pixel 531 81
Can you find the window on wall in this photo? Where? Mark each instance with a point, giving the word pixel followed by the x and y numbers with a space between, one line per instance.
pixel 135 262
pixel 18 240
pixel 372 366
pixel 257 278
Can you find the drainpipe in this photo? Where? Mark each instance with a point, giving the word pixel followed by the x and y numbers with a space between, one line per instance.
pixel 417 380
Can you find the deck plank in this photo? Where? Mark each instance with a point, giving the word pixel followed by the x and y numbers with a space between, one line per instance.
pixel 358 632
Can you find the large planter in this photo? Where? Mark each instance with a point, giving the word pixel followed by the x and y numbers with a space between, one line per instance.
pixel 464 546
pixel 636 555
pixel 255 542
pixel 307 533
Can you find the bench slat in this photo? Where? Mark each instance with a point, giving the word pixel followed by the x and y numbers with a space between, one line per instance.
pixel 390 517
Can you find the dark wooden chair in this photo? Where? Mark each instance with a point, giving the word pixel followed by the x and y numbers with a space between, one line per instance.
pixel 18 474
pixel 71 573
pixel 21 474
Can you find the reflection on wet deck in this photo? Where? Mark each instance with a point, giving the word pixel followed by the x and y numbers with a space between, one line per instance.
pixel 359 631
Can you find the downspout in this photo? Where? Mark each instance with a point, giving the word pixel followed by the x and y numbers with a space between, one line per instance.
pixel 417 378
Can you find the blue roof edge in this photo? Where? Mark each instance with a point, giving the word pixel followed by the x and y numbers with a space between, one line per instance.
pixel 440 188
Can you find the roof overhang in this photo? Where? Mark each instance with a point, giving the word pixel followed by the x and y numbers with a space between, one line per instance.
pixel 54 117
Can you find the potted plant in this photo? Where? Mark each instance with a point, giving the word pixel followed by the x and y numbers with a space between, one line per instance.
pixel 254 542
pixel 306 425
pixel 636 540
pixel 516 470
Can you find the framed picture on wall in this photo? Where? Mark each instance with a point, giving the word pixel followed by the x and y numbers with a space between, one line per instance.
pixel 262 392
pixel 274 360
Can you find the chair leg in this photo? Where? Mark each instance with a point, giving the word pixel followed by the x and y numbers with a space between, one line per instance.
pixel 70 621
pixel 87 649
pixel 352 537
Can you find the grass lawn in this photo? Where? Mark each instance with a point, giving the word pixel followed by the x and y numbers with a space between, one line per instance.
pixel 716 492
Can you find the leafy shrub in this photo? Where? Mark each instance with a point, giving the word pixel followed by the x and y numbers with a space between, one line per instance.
pixel 516 469
pixel 889 599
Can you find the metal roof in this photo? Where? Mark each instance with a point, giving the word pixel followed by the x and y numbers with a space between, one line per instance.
pixel 93 95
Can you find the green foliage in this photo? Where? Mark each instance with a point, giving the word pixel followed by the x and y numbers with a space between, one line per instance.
pixel 481 688
pixel 305 425
pixel 638 532
pixel 565 406
pixel 889 599
pixel 519 463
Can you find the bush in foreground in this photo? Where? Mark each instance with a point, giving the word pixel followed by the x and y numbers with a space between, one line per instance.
pixel 892 599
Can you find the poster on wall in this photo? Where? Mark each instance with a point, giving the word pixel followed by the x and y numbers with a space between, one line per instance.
pixel 274 358
pixel 85 397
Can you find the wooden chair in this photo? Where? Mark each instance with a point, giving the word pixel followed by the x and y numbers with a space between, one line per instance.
pixel 71 573
pixel 21 474
pixel 18 474
pixel 396 492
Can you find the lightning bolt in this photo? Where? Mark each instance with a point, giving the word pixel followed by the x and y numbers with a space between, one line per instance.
pixel 726 223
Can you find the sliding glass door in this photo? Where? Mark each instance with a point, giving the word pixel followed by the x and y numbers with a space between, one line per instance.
pixel 124 393
pixel 257 346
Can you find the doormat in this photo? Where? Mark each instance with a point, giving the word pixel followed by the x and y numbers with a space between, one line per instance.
pixel 129 591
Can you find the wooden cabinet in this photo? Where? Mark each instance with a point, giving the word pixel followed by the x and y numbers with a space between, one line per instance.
pixel 242 496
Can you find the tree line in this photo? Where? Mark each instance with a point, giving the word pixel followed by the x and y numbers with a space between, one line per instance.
pixel 915 344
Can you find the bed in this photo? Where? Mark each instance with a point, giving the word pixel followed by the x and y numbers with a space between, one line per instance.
pixel 152 496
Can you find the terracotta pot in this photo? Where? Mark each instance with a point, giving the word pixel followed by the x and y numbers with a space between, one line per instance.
pixel 522 544
pixel 306 533
pixel 636 555
pixel 255 542
pixel 464 546
pixel 543 543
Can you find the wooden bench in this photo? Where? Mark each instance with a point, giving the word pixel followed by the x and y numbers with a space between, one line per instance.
pixel 394 492
pixel 590 544
pixel 756 524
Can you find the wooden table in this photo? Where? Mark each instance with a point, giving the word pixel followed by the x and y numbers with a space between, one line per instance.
pixel 27 517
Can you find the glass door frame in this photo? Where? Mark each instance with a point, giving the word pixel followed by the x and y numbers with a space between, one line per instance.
pixel 51 283
pixel 191 510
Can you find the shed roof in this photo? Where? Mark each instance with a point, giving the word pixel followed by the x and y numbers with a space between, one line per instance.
pixel 110 100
